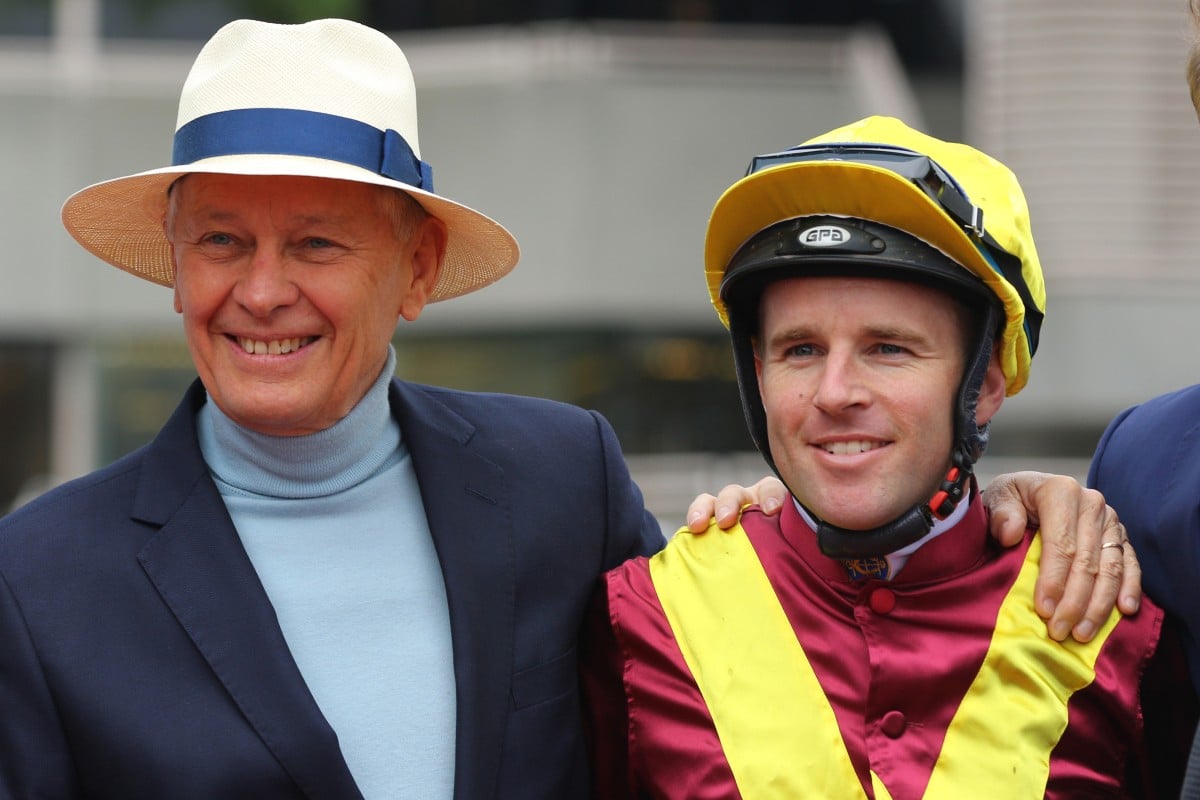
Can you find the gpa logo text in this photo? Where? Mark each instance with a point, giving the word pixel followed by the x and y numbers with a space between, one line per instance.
pixel 824 236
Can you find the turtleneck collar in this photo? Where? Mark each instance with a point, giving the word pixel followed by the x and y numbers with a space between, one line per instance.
pixel 316 465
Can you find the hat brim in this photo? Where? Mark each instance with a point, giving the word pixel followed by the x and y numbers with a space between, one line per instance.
pixel 121 221
pixel 842 189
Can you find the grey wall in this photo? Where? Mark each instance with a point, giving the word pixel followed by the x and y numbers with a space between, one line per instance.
pixel 601 148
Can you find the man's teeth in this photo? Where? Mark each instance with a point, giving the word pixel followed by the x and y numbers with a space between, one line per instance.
pixel 849 448
pixel 274 347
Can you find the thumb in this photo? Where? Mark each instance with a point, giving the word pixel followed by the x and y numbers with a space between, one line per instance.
pixel 1006 510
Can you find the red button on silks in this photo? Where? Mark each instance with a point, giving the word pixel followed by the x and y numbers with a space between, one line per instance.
pixel 882 600
pixel 893 724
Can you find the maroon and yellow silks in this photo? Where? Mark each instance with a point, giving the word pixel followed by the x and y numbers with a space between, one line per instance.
pixel 778 730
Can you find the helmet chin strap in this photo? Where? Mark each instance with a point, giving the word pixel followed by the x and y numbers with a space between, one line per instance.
pixel 843 543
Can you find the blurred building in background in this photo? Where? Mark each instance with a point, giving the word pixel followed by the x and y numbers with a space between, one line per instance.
pixel 601 133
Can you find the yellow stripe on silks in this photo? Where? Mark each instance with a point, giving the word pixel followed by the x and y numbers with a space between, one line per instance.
pixel 780 737
pixel 1016 709
pixel 776 726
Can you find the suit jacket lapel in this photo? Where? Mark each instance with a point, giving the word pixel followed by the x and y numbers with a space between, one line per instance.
pixel 202 572
pixel 469 511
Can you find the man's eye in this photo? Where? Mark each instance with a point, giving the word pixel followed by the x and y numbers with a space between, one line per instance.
pixel 892 349
pixel 218 238
pixel 319 244
pixel 801 350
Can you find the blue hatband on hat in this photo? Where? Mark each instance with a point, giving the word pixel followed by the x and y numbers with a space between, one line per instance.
pixel 295 132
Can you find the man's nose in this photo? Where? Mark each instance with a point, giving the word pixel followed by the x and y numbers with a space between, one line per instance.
pixel 266 283
pixel 841 385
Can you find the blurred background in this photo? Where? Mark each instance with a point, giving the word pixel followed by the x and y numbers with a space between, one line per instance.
pixel 601 133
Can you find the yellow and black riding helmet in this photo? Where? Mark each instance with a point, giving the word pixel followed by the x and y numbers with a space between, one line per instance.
pixel 879 199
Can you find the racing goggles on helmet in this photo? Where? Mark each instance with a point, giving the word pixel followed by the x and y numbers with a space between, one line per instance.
pixel 938 185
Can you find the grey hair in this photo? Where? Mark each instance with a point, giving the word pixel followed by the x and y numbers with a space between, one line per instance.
pixel 402 209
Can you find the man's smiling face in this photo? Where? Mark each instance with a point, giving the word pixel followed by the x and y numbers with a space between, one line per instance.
pixel 858 378
pixel 290 289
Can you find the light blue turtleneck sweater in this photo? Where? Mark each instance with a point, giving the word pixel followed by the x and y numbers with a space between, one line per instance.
pixel 334 525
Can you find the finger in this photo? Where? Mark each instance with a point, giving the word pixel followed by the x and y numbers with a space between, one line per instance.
pixel 725 508
pixel 1008 523
pixel 1104 593
pixel 729 504
pixel 1063 586
pixel 1007 517
pixel 1082 515
pixel 1130 598
pixel 1005 499
pixel 1070 522
pixel 771 494
pixel 1086 596
pixel 700 512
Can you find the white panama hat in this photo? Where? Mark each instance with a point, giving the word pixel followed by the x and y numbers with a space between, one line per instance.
pixel 328 99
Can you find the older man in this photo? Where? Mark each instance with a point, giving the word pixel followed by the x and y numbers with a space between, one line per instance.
pixel 1149 460
pixel 316 581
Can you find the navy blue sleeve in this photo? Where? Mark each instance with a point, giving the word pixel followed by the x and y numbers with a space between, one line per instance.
pixel 1147 466
pixel 632 530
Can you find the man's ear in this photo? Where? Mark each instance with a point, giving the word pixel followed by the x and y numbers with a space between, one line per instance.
pixel 168 235
pixel 993 391
pixel 427 248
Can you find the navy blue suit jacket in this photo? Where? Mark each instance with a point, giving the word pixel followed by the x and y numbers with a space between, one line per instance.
pixel 141 658
pixel 1147 465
